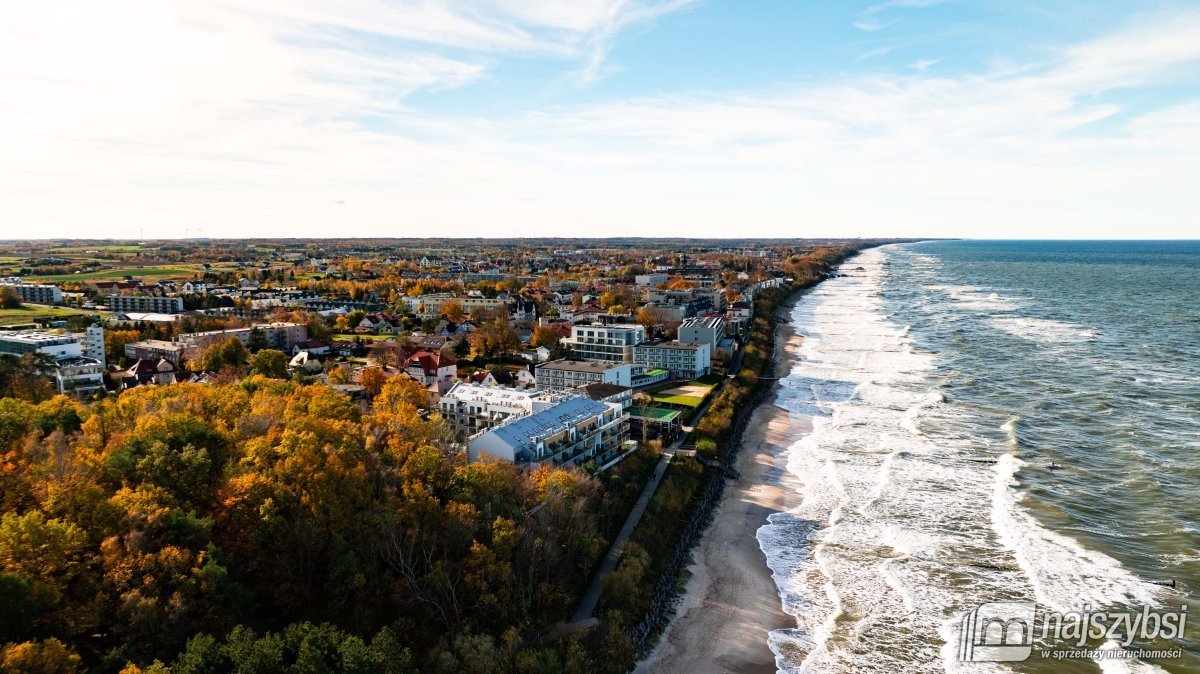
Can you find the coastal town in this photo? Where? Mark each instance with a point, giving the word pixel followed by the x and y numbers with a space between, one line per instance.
pixel 351 440
pixel 506 340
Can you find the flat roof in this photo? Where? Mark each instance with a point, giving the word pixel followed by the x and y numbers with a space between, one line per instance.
pixel 685 346
pixel 37 337
pixel 580 365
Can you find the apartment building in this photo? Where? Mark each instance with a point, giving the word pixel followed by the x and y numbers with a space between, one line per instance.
pixel 559 375
pixel 34 293
pixel 72 372
pixel 92 343
pixel 282 336
pixel 471 408
pixel 155 349
pixel 78 375
pixel 145 303
pixel 573 432
pixel 682 360
pixel 650 280
pixel 708 330
pixel 605 342
pixel 28 341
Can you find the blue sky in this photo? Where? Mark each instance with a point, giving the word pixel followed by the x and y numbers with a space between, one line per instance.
pixel 1009 118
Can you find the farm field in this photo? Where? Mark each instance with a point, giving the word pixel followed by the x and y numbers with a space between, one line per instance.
pixel 136 272
pixel 30 312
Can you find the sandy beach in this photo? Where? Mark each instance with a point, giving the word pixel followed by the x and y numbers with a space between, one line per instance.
pixel 730 603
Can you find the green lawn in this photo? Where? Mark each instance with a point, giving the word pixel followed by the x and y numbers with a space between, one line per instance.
pixel 30 312
pixel 136 272
pixel 658 393
pixel 682 401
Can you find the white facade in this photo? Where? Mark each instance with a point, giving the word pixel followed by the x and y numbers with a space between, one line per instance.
pixel 574 431
pixel 680 359
pixel 28 341
pixel 648 280
pixel 470 408
pixel 703 330
pixel 93 343
pixel 605 342
pixel 558 375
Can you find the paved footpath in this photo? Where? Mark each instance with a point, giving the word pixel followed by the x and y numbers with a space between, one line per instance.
pixel 588 605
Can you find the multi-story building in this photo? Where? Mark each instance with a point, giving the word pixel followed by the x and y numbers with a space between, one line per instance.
pixel 282 336
pixel 145 303
pixel 558 375
pixel 72 372
pixel 155 349
pixel 708 330
pixel 29 341
pixel 680 359
pixel 471 408
pixel 33 292
pixel 92 344
pixel 78 375
pixel 605 342
pixel 574 431
pixel 650 280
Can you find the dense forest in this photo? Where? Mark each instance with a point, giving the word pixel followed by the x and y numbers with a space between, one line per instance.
pixel 264 526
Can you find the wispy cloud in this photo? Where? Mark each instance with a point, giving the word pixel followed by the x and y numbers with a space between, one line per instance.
pixel 291 121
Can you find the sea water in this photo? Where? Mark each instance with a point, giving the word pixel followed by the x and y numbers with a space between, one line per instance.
pixel 992 421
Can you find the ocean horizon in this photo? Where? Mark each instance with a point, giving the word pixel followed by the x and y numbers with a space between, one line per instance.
pixel 993 421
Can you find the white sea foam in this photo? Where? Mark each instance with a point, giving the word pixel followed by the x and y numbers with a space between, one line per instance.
pixel 906 522
pixel 1044 330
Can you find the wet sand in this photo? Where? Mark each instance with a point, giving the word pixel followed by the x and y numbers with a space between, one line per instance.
pixel 730 603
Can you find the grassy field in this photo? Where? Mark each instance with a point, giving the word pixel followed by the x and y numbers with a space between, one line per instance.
pixel 30 312
pixel 668 394
pixel 136 272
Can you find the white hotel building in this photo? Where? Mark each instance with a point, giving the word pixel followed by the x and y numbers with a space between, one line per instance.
pixel 605 342
pixel 471 408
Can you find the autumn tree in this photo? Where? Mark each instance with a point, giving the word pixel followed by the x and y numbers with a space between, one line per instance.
pixel 651 316
pixel 269 363
pixel 231 353
pixel 544 336
pixel 372 380
pixel 493 339
pixel 453 311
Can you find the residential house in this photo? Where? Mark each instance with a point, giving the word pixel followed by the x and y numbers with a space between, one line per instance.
pixel 428 367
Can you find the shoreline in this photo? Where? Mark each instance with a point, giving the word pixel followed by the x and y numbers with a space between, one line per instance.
pixel 730 603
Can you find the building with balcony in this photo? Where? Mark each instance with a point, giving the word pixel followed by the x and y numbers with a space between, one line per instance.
pixel 613 343
pixel 708 330
pixel 682 360
pixel 145 303
pixel 572 432
pixel 282 336
pixel 34 293
pixel 155 349
pixel 471 408
pixel 560 375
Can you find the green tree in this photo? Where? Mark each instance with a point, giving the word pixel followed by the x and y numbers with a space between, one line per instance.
pixel 257 340
pixel 269 363
pixel 9 298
